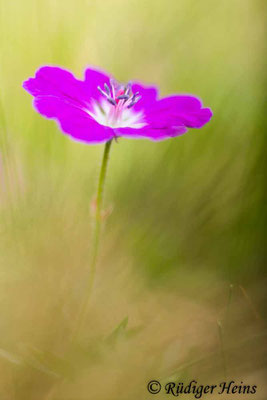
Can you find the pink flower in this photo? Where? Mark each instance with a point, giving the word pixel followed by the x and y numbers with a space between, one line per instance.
pixel 97 109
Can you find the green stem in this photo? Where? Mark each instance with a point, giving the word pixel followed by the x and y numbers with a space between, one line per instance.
pixel 98 216
pixel 96 236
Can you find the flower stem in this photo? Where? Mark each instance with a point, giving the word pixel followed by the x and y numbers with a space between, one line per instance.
pixel 96 237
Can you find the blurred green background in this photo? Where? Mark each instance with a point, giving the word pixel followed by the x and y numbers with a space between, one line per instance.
pixel 188 214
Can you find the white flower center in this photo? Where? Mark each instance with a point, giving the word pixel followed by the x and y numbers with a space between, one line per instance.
pixel 107 114
pixel 115 108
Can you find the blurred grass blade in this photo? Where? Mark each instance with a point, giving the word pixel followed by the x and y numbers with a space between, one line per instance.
pixel 118 332
pixel 14 359
pixel 47 362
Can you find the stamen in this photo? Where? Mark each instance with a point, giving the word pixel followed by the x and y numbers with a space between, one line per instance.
pixel 123 97
pixel 114 86
pixel 107 89
pixel 128 88
pixel 102 92
pixel 134 99
pixel 111 101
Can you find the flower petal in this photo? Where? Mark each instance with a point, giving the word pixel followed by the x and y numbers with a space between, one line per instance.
pixel 196 119
pixel 55 81
pixel 179 103
pixel 148 95
pixel 180 110
pixel 73 120
pixel 95 78
pixel 169 117
pixel 152 132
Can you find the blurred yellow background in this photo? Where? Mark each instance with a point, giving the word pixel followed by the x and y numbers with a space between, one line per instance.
pixel 182 254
